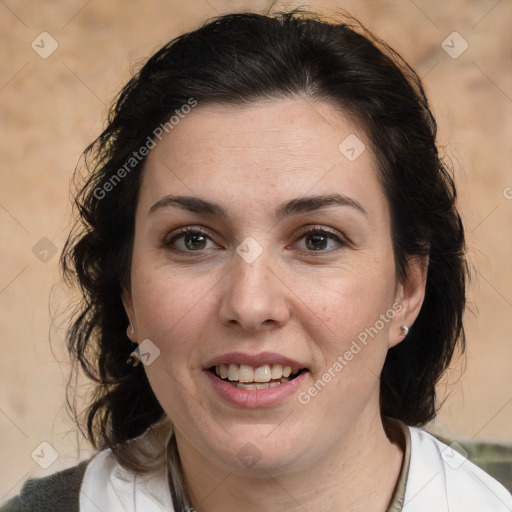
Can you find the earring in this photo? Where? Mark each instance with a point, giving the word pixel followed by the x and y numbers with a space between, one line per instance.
pixel 405 329
pixel 134 358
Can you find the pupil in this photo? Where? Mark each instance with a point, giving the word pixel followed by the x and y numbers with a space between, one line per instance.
pixel 317 239
pixel 192 241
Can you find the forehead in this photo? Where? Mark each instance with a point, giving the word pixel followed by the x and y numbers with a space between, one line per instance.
pixel 264 152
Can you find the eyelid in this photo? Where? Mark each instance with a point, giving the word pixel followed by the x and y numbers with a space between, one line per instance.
pixel 170 238
pixel 341 239
pixel 318 227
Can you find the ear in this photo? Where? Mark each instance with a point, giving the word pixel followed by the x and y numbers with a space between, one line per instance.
pixel 410 295
pixel 131 330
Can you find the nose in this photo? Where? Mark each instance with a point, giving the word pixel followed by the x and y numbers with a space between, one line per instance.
pixel 254 296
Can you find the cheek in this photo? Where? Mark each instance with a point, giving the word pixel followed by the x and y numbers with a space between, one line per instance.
pixel 348 316
pixel 171 309
pixel 346 301
pixel 348 321
pixel 171 312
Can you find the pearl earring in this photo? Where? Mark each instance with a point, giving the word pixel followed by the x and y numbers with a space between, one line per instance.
pixel 405 329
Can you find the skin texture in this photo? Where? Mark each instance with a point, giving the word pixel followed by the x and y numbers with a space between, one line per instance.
pixel 306 304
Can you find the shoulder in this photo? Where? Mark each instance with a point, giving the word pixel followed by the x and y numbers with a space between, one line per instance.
pixel 54 493
pixel 114 487
pixel 440 478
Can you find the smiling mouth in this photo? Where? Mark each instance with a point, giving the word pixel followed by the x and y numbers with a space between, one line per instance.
pixel 262 377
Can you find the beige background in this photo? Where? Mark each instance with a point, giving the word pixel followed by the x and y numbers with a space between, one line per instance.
pixel 52 108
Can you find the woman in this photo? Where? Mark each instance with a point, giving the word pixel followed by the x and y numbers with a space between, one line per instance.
pixel 273 273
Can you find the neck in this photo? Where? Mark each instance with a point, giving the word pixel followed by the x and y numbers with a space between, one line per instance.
pixel 359 474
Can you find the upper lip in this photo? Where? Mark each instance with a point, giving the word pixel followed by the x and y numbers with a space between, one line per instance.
pixel 254 360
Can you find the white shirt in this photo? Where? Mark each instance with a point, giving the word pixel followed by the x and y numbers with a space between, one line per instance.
pixel 442 480
pixel 439 480
pixel 109 487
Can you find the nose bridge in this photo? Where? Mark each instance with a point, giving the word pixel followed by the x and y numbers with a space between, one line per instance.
pixel 254 293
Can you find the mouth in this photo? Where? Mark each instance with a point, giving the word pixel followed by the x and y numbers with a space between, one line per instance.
pixel 248 377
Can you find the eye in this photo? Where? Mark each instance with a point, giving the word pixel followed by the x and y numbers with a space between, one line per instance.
pixel 317 239
pixel 189 239
pixel 195 239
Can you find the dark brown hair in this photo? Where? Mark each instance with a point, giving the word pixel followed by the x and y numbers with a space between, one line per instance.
pixel 239 59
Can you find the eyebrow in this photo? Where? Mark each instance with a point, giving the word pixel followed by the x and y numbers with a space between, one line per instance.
pixel 289 208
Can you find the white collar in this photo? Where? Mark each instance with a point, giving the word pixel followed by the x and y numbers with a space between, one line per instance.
pixel 442 480
pixel 110 487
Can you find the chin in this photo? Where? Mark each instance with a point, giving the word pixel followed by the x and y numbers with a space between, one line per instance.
pixel 257 452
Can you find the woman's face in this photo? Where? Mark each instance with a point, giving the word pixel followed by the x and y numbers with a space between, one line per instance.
pixel 286 266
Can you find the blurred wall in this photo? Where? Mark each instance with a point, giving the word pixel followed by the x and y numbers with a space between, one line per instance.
pixel 54 92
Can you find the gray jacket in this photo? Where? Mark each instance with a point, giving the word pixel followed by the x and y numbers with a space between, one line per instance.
pixel 54 493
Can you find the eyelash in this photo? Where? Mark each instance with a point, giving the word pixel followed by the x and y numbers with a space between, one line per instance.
pixel 310 230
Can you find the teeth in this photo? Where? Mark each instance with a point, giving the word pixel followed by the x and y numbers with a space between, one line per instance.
pixel 247 374
pixel 247 386
pixel 233 372
pixel 265 385
pixel 277 371
pixel 262 374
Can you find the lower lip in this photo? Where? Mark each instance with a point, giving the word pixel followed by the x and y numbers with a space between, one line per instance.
pixel 255 398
